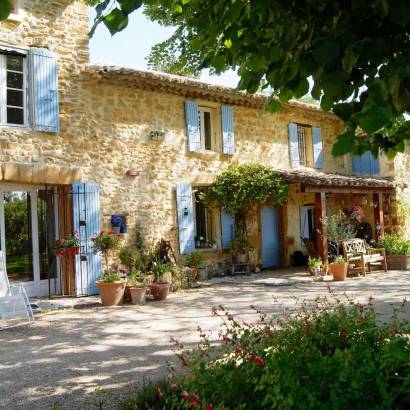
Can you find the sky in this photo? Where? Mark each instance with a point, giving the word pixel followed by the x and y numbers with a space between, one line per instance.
pixel 133 44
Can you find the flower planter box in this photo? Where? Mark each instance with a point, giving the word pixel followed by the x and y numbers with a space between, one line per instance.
pixel 398 262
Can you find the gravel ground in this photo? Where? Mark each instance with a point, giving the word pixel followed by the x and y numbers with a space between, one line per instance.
pixel 62 359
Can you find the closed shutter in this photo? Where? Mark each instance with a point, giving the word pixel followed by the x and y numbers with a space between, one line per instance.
pixel 228 136
pixel 356 165
pixel 366 164
pixel 293 145
pixel 317 147
pixel 192 126
pixel 227 228
pixel 186 225
pixel 374 165
pixel 86 221
pixel 44 80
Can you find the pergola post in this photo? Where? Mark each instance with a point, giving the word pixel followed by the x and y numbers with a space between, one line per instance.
pixel 320 213
pixel 378 214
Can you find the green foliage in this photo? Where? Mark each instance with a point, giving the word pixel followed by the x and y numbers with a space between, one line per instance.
pixel 194 259
pixel 328 356
pixel 132 257
pixel 240 246
pixel 105 241
pixel 6 8
pixel 339 260
pixel 338 228
pixel 135 277
pixel 110 278
pixel 158 268
pixel 362 74
pixel 242 185
pixel 314 263
pixel 395 244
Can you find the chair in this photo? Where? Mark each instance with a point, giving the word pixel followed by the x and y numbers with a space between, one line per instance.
pixel 310 247
pixel 358 255
pixel 15 308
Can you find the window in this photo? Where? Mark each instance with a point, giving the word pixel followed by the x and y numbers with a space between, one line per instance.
pixel 302 146
pixel 12 90
pixel 307 222
pixel 205 126
pixel 204 224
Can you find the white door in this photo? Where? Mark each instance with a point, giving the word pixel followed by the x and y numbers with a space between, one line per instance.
pixel 27 231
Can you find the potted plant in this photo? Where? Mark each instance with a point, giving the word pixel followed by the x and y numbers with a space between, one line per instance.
pixel 137 287
pixel 73 244
pixel 397 250
pixel 131 257
pixel 240 248
pixel 59 247
pixel 160 287
pixel 315 266
pixel 194 261
pixel 110 284
pixel 116 222
pixel 111 288
pixel 338 229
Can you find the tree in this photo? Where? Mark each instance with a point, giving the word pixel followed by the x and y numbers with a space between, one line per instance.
pixel 355 53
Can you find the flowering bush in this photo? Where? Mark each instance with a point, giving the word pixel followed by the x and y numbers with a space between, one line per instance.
pixel 327 356
pixel 194 259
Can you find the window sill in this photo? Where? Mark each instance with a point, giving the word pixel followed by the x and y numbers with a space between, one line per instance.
pixel 208 250
pixel 205 153
pixel 12 126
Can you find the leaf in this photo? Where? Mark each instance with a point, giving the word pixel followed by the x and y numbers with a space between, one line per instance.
pixel 285 95
pixel 5 9
pixel 128 6
pixel 302 89
pixel 228 43
pixel 343 110
pixel 374 118
pixel 178 9
pixel 327 51
pixel 274 105
pixel 345 143
pixel 349 60
pixel 326 102
pixel 275 54
pixel 115 21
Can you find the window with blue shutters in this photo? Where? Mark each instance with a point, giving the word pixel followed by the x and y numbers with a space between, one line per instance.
pixel 228 139
pixel 365 164
pixel 185 211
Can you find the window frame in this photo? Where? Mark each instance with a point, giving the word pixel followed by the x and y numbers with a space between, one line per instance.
pixel 3 92
pixel 201 116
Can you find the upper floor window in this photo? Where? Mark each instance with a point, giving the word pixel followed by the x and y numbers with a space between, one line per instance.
pixel 305 157
pixel 206 128
pixel 12 89
pixel 366 164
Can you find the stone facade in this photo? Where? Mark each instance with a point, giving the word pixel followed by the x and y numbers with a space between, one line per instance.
pixel 105 133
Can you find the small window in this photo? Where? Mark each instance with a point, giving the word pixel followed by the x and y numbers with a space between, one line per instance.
pixel 302 146
pixel 206 129
pixel 204 225
pixel 12 90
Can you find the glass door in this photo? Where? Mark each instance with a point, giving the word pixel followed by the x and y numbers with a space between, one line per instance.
pixel 25 222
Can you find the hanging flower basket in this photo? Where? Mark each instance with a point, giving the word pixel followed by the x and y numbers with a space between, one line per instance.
pixel 74 250
pixel 59 252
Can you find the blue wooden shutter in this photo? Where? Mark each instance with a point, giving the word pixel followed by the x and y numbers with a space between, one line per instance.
pixel 44 80
pixel 186 225
pixel 86 221
pixel 374 165
pixel 293 145
pixel 317 147
pixel 192 126
pixel 228 136
pixel 227 227
pixel 366 164
pixel 356 165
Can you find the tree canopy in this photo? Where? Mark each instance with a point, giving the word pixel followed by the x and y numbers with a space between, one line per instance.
pixel 354 53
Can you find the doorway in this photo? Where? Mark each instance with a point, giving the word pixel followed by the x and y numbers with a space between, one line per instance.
pixel 270 237
pixel 27 232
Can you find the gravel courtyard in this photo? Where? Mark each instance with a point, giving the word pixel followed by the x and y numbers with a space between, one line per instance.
pixel 59 361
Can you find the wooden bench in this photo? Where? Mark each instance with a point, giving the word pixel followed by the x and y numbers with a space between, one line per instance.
pixel 358 255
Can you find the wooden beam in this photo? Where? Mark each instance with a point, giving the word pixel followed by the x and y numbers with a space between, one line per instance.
pixel 378 214
pixel 344 190
pixel 320 213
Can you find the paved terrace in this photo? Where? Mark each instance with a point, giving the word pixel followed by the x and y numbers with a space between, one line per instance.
pixel 59 361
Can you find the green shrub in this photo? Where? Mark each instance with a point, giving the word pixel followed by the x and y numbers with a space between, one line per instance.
pixel 110 277
pixel 194 259
pixel 328 357
pixel 395 244
pixel 239 246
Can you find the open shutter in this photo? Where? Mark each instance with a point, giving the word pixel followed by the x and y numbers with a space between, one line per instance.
pixel 186 224
pixel 228 140
pixel 44 80
pixel 227 227
pixel 86 221
pixel 293 145
pixel 192 126
pixel 317 147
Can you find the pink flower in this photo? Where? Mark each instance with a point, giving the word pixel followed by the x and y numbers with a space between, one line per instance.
pixel 214 311
pixel 258 361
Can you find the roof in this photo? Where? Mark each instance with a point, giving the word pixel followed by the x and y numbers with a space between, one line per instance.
pixel 185 86
pixel 310 176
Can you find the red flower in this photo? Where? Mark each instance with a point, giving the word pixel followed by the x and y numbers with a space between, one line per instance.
pixel 110 232
pixel 194 400
pixel 238 350
pixel 57 242
pixel 101 232
pixel 259 361
pixel 185 395
pixel 209 407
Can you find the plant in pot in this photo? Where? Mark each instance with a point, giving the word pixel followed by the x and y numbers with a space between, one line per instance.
pixel 73 244
pixel 194 261
pixel 240 248
pixel 338 228
pixel 397 250
pixel 110 284
pixel 315 266
pixel 116 222
pixel 238 189
pixel 60 247
pixel 137 287
pixel 131 256
pixel 160 286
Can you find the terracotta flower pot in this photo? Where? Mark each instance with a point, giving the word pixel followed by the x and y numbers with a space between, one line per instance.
pixel 398 262
pixel 194 273
pixel 159 290
pixel 241 258
pixel 127 294
pixel 74 250
pixel 111 293
pixel 137 294
pixel 338 270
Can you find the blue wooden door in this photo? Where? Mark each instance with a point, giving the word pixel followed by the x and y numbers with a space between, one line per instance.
pixel 270 237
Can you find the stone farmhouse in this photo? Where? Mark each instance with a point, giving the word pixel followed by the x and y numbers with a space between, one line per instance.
pixel 80 142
